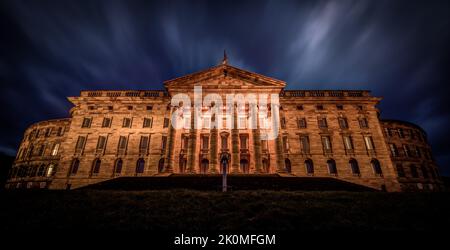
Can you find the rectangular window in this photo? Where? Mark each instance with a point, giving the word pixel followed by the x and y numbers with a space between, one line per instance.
pixel 301 123
pixel 48 132
pixel 164 143
pixel 101 143
pixel 60 131
pixel 264 145
pixel 363 123
pixel 150 107
pixel 388 132
pixel 242 122
pixel 400 133
pixel 304 142
pixel 55 149
pixel 339 107
pixel 205 142
pixel 285 144
pixel 326 144
pixel 122 146
pixel 80 144
pixel 319 107
pixel 244 144
pixel 406 150
pixel 369 142
pixel 143 145
pixel 185 142
pixel 126 123
pixel 394 151
pixel 224 142
pixel 147 123
pixel 343 124
pixel 417 151
pixel 86 122
pixel 166 123
pixel 106 122
pixel 412 134
pixel 348 142
pixel 41 150
pixel 322 122
pixel 206 122
pixel 283 123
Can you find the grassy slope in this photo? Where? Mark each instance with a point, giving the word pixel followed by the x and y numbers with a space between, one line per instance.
pixel 239 210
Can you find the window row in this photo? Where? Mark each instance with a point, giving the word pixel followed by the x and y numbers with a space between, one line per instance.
pixel 413 151
pixel 42 170
pixel 122 144
pixel 126 122
pixel 327 145
pixel 116 169
pixel 332 169
pixel 405 133
pixel 322 107
pixel 45 132
pixel 323 123
pixel 32 151
pixel 414 171
pixel 128 107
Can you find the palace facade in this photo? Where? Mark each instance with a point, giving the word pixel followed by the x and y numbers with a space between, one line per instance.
pixel 322 133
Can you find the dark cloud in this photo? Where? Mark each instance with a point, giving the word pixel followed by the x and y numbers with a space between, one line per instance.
pixel 53 49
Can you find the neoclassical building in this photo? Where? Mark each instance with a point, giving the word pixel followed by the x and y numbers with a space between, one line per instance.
pixel 321 133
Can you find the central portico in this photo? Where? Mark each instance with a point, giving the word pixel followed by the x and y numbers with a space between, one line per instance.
pixel 199 150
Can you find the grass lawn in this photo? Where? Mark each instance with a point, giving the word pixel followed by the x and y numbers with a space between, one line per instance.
pixel 188 210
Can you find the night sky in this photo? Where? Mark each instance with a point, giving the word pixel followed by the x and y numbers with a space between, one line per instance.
pixel 53 49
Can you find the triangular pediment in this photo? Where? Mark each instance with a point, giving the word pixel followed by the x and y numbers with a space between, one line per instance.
pixel 224 76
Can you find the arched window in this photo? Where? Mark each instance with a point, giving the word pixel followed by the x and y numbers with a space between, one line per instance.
pixel 161 165
pixel 265 164
pixel 424 171
pixel 354 166
pixel 376 167
pixel 140 165
pixel 400 170
pixel 244 166
pixel 74 167
pixel 41 170
pixel 204 166
pixel 96 166
pixel 287 165
pixel 309 167
pixel 183 162
pixel 34 171
pixel 332 167
pixel 118 166
pixel 51 169
pixel 433 174
pixel 414 172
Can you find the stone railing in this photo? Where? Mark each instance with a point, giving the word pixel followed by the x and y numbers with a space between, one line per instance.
pixel 124 93
pixel 325 93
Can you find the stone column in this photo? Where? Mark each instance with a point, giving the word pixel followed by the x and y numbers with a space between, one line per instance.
pixel 256 141
pixel 235 143
pixel 213 150
pixel 168 163
pixel 192 146
pixel 257 150
pixel 279 155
